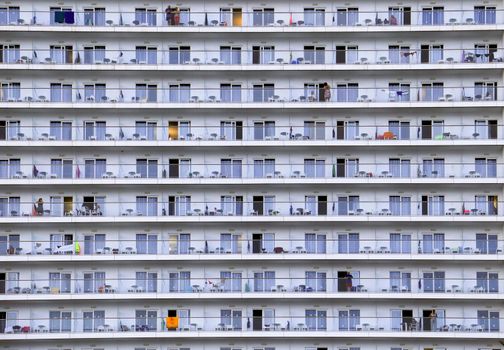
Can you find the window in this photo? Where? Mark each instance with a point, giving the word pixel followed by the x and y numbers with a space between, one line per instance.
pixel 60 282
pixel 94 243
pixel 263 92
pixel 146 130
pixel 10 92
pixel 147 281
pixel 10 206
pixel 179 205
pixel 179 92
pixel 264 281
pixel 313 93
pixel 399 92
pixel 486 167
pixel 434 282
pixel 231 130
pixel 314 130
pixel 231 318
pixel 433 243
pixel 231 168
pixel 432 92
pixel 347 205
pixel 263 17
pixel 487 281
pixel 95 168
pixel 147 168
pixel 146 55
pixel 179 130
pixel 179 282
pixel 400 243
pixel 315 243
pixel 263 243
pixel 263 54
pixel 9 168
pixel 147 205
pixel 347 92
pixel 486 205
pixel 399 167
pixel 400 205
pixel 486 243
pixel 95 92
pixel 145 16
pixel 399 15
pixel 484 53
pixel 348 319
pixel 61 15
pixel 230 55
pixel 61 92
pixel 314 17
pixel 314 168
pixel 433 167
pixel 484 14
pixel 60 130
pixel 94 282
pixel 347 16
pixel 264 168
pixel 60 321
pixel 146 320
pixel 231 243
pixel 146 92
pixel 94 16
pixel 485 91
pixel 489 320
pixel 61 168
pixel 231 281
pixel 94 130
pixel 230 92
pixel 433 15
pixel 8 243
pixel 348 243
pixel 232 205
pixel 264 130
pixel 485 129
pixel 146 243
pixel 399 54
pixel 401 130
pixel 314 54
pixel 94 54
pixel 315 205
pixel 179 55
pixel 347 54
pixel 10 53
pixel 431 53
pixel 180 243
pixel 346 167
pixel 179 168
pixel 433 205
pixel 9 15
pixel 400 281
pixel 316 281
pixel 316 320
pixel 10 129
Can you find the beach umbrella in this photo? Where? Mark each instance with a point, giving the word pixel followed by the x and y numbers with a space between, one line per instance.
pixel 35 171
pixel 121 22
pixel 333 170
pixel 206 247
pixel 333 133
pixel 206 19
pixel 121 133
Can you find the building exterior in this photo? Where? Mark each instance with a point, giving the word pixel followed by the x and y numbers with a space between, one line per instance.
pixel 277 175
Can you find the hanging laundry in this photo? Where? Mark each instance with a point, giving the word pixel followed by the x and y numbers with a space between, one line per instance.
pixel 69 17
pixel 59 17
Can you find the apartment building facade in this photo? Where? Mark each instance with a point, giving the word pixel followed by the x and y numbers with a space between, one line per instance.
pixel 281 175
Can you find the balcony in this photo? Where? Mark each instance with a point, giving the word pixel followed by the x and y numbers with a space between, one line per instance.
pixel 154 208
pixel 349 246
pixel 277 326
pixel 242 172
pixel 261 133
pixel 349 287
pixel 246 59
pixel 383 18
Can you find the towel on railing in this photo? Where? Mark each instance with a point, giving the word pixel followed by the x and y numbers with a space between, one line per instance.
pixel 59 17
pixel 69 17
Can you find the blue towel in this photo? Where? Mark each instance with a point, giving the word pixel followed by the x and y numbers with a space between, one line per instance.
pixel 59 17
pixel 69 17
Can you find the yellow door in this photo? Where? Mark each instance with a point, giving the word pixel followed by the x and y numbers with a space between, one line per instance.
pixel 237 17
pixel 67 205
pixel 173 130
